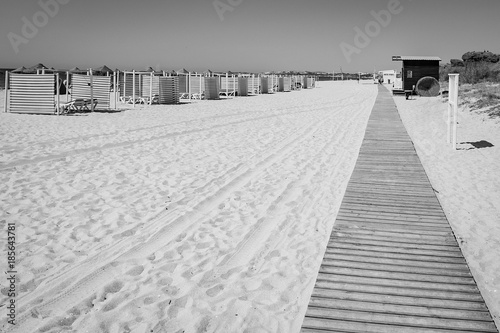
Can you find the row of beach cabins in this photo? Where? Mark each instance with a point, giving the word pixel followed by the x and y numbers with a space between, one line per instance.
pixel 52 92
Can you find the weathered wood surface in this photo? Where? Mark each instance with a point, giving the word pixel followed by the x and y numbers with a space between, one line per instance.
pixel 392 263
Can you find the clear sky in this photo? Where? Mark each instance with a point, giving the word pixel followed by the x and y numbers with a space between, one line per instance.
pixel 241 35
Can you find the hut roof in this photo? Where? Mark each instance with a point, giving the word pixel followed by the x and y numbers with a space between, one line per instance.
pixel 422 58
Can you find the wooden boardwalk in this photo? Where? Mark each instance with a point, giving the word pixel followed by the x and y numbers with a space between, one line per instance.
pixel 392 263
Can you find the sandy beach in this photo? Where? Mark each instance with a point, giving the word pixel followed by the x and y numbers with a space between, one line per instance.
pixel 213 216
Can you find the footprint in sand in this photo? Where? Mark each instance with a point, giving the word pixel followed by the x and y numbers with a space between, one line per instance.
pixel 113 287
pixel 181 237
pixel 135 271
pixel 214 291
pixel 165 281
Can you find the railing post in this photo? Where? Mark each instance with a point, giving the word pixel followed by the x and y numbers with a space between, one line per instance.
pixel 91 91
pixel 133 88
pixel 6 101
pixel 57 93
pixel 452 109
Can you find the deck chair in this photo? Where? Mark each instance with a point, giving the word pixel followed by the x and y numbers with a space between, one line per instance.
pixel 125 99
pixel 198 95
pixel 227 94
pixel 150 100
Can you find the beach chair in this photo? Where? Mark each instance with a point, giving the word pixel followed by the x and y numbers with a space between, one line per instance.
pixel 227 93
pixel 65 108
pixel 77 105
pixel 125 99
pixel 150 100
pixel 198 95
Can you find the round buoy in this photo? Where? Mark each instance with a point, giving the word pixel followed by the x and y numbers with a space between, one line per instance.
pixel 428 87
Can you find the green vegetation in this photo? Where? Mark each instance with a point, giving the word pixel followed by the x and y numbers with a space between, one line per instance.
pixel 474 67
pixel 479 81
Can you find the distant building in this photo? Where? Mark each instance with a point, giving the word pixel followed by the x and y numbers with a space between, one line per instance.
pixel 388 76
pixel 416 67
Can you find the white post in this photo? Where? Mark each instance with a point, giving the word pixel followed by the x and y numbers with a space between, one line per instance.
pixel 6 101
pixel 116 88
pixel 234 85
pixel 452 108
pixel 455 111
pixel 133 88
pixel 67 86
pixel 189 86
pixel 448 118
pixel 124 84
pixel 227 86
pixel 91 91
pixel 151 89
pixel 57 93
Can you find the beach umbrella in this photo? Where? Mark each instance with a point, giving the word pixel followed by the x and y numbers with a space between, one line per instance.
pixel 76 70
pixel 19 70
pixel 182 71
pixel 33 69
pixel 103 70
pixel 155 72
pixel 39 66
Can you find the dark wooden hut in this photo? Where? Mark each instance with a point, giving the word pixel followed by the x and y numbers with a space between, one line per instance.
pixel 416 67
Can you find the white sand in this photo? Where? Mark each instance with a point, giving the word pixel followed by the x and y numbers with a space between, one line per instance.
pixel 252 187
pixel 467 181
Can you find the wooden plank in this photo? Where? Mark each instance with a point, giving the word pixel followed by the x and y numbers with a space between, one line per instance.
pixel 419 300
pixel 381 255
pixel 402 235
pixel 321 325
pixel 449 245
pixel 378 207
pixel 414 321
pixel 391 196
pixel 371 272
pixel 345 284
pixel 407 219
pixel 390 266
pixel 391 216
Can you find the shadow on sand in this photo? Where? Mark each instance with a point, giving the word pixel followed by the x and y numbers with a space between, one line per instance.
pixel 478 145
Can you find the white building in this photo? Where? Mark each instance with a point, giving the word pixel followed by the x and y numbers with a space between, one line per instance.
pixel 389 76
